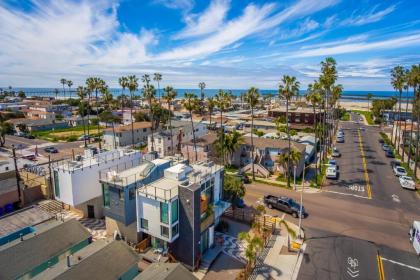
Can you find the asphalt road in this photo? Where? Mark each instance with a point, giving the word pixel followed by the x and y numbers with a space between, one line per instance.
pixel 345 221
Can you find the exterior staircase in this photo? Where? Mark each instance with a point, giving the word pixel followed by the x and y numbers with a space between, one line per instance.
pixel 260 170
pixel 51 206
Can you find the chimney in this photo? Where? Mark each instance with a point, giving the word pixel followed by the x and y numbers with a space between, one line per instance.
pixel 68 260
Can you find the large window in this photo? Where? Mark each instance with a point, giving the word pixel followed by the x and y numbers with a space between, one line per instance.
pixel 105 194
pixel 174 211
pixel 174 230
pixel 164 231
pixel 56 184
pixel 144 224
pixel 164 213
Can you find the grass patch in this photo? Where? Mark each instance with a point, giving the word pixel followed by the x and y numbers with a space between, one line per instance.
pixel 231 168
pixel 69 134
pixel 270 182
pixel 368 116
pixel 282 178
pixel 316 183
pixel 345 117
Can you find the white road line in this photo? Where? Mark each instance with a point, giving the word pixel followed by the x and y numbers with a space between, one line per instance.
pixel 350 194
pixel 402 264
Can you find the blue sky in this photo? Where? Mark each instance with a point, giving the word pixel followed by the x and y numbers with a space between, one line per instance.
pixel 227 44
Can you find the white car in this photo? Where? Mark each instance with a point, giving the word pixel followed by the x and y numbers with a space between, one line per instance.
pixel 400 171
pixel 407 183
pixel 331 172
pixel 340 139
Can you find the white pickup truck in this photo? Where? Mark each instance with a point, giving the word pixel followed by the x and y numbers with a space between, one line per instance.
pixel 415 236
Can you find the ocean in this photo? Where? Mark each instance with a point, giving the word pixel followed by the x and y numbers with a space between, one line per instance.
pixel 347 95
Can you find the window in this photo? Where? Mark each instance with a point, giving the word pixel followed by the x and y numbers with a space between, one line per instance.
pixel 56 184
pixel 121 195
pixel 144 224
pixel 174 211
pixel 164 213
pixel 131 193
pixel 144 129
pixel 174 230
pixel 164 231
pixel 105 195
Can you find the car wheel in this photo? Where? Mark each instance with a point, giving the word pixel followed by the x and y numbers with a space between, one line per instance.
pixel 295 215
pixel 270 206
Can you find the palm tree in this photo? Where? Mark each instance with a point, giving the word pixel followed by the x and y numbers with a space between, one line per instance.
pixel 292 156
pixel 406 87
pixel 211 104
pixel 415 81
pixel 190 103
pixel 169 95
pixel 56 93
pixel 157 77
pixel 336 92
pixel 202 86
pixel 69 84
pixel 132 85
pixel 397 82
pixel 63 82
pixel 314 98
pixel 252 98
pixel 327 79
pixel 81 93
pixel 149 93
pixel 123 82
pixel 96 84
pixel 223 101
pixel 287 89
pixel 232 142
pixel 369 97
pixel 254 245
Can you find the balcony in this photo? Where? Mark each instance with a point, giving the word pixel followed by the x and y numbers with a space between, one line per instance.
pixel 207 221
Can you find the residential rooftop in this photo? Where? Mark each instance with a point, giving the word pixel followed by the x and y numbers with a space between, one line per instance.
pixel 124 128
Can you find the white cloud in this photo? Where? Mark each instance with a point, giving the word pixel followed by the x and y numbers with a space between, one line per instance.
pixel 400 42
pixel 176 4
pixel 371 16
pixel 207 22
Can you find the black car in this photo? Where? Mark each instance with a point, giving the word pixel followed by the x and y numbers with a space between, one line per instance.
pixel 381 141
pixel 29 136
pixel 284 204
pixel 395 164
pixel 390 154
pixel 51 150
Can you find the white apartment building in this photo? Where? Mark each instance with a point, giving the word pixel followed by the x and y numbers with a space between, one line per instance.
pixel 76 183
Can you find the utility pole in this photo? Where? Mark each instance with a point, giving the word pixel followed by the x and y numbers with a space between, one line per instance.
pixel 51 180
pixel 17 173
pixel 301 202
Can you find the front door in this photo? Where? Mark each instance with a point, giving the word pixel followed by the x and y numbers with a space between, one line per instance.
pixel 91 211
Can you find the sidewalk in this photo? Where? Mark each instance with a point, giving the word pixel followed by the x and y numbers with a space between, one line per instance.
pixel 276 262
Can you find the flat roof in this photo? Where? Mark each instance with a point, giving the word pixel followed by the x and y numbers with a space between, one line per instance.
pixel 165 271
pixel 23 256
pixel 164 188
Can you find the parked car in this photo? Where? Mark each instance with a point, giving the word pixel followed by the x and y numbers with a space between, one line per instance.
pixel 19 134
pixel 407 182
pixel 51 150
pixel 381 141
pixel 332 162
pixel 30 157
pixel 83 137
pixel 284 204
pixel 340 139
pixel 332 172
pixel 29 136
pixel 385 147
pixel 400 171
pixel 336 153
pixel 395 163
pixel 390 153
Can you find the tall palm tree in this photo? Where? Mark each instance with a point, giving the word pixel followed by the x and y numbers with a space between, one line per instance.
pixel 56 93
pixel 202 86
pixel 287 89
pixel 290 158
pixel 169 96
pixel 190 103
pixel 327 79
pixel 406 87
pixel 81 93
pixel 252 98
pixel 149 93
pixel 232 142
pixel 223 101
pixel 369 97
pixel 397 82
pixel 254 245
pixel 336 92
pixel 69 84
pixel 157 77
pixel 96 84
pixel 211 104
pixel 63 82
pixel 314 98
pixel 415 81
pixel 132 86
pixel 123 82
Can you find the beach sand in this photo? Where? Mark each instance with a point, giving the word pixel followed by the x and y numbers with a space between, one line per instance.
pixel 363 105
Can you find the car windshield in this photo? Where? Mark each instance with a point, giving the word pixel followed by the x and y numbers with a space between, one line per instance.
pixel 406 178
pixel 400 169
